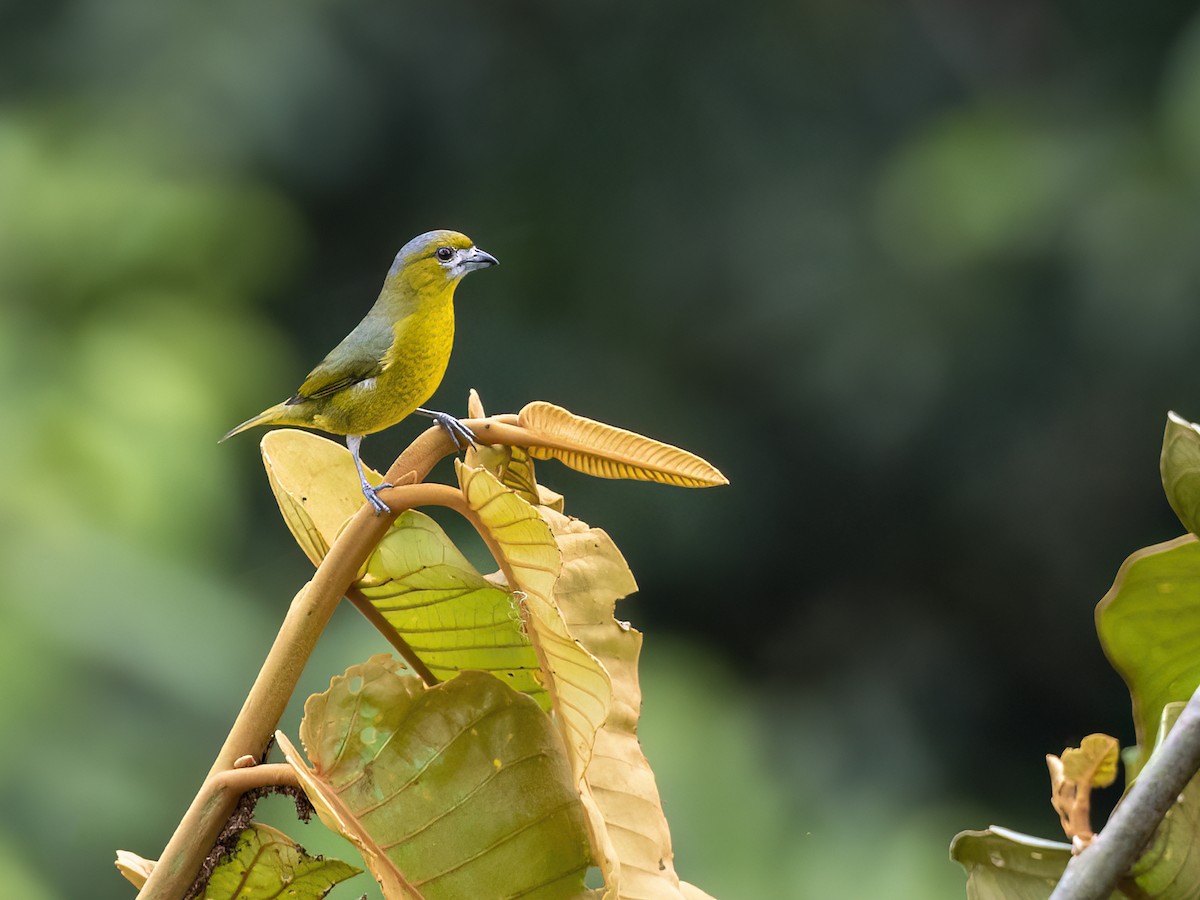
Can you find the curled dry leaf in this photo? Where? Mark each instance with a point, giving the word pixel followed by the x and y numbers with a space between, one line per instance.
pixel 606 451
pixel 1093 762
pixel 594 577
pixel 517 475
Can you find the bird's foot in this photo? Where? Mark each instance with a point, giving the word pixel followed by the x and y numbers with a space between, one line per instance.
pixel 460 434
pixel 372 495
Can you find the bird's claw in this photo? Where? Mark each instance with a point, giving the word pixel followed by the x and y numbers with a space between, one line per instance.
pixel 460 434
pixel 372 495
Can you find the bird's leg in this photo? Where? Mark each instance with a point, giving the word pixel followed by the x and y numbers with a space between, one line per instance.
pixel 352 441
pixel 462 436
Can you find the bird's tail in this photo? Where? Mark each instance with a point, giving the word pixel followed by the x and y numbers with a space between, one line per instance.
pixel 266 417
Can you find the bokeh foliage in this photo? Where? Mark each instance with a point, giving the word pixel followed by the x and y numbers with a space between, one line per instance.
pixel 920 278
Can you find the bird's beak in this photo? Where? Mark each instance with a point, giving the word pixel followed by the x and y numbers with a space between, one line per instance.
pixel 478 259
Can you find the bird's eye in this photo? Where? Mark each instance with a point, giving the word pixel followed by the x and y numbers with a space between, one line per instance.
pixel 444 253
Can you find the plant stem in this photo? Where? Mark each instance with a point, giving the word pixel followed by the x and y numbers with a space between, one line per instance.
pixel 1094 873
pixel 306 619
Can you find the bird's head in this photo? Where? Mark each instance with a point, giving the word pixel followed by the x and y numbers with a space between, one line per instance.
pixel 439 257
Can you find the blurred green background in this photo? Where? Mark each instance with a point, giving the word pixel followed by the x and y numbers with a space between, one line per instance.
pixel 921 278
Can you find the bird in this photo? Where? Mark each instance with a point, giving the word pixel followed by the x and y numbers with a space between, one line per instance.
pixel 394 359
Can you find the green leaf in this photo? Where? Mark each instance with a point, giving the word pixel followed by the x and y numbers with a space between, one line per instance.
pixel 1149 626
pixel 426 590
pixel 1179 466
pixel 459 790
pixel 266 864
pixel 448 613
pixel 1005 865
pixel 1169 869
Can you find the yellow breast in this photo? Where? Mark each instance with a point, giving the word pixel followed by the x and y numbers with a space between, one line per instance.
pixel 414 366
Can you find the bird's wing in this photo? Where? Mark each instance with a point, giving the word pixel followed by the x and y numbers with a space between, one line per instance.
pixel 358 357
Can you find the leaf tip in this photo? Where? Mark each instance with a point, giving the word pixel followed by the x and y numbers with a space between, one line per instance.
pixel 475 405
pixel 135 868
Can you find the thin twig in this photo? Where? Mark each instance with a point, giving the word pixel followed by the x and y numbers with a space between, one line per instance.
pixel 251 777
pixel 1095 872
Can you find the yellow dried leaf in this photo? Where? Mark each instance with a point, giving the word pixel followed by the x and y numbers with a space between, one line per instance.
pixel 550 499
pixel 517 474
pixel 606 451
pixel 579 686
pixel 594 576
pixel 315 484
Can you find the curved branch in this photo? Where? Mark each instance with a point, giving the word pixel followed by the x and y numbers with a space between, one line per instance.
pixel 1094 873
pixel 306 619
